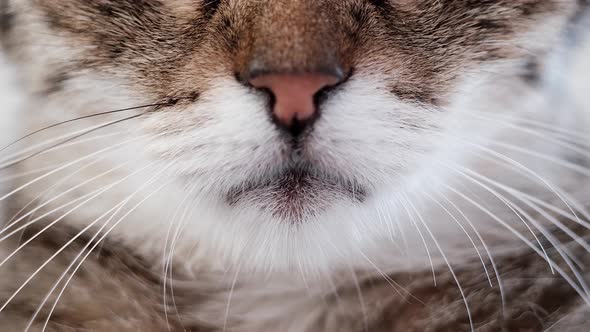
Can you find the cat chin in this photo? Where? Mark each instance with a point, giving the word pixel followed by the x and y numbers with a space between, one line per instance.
pixel 248 238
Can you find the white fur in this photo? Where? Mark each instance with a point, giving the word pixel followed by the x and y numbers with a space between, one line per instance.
pixel 395 149
pixel 11 101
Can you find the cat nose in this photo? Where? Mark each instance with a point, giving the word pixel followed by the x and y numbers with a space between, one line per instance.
pixel 295 96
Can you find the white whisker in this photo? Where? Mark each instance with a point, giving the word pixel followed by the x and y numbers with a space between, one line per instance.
pixel 444 256
pixel 515 209
pixel 30 213
pixel 65 141
pixel 564 275
pixel 96 244
pixel 523 198
pixel 29 150
pixel 32 276
pixel 168 265
pixel 563 251
pixel 483 242
pixel 92 195
pixel 566 164
pixel 464 232
pixel 15 219
pixel 361 298
pixel 395 285
pixel 229 297
pixel 15 175
pixel 411 217
pixel 558 192
pixel 86 157
pixel 578 136
pixel 167 255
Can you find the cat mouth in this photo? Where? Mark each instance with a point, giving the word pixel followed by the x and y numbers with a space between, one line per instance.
pixel 296 193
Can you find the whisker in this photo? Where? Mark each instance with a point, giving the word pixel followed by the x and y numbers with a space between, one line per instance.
pixel 12 222
pixel 571 203
pixel 14 176
pixel 333 291
pixel 544 135
pixel 546 126
pixel 362 302
pixel 386 222
pixel 526 241
pixel 61 249
pixel 561 226
pixel 28 150
pixel 166 257
pixel 83 118
pixel 33 155
pixel 96 244
pixel 394 284
pixel 411 217
pixel 530 201
pixel 515 209
pixel 229 297
pixel 569 165
pixel 572 215
pixel 444 256
pixel 575 144
pixel 31 222
pixel 168 263
pixel 483 242
pixel 558 192
pixel 57 253
pixel 562 251
pixel 464 232
pixel 114 147
pixel 303 277
pixel 553 208
pixel 94 195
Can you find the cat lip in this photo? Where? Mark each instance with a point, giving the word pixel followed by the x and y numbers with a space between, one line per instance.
pixel 296 191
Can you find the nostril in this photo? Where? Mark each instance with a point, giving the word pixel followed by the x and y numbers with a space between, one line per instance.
pixel 295 96
pixel 323 94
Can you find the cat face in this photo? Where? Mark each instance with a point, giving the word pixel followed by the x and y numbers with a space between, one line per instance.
pixel 289 112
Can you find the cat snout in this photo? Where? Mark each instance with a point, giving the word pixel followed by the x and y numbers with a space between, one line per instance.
pixel 295 96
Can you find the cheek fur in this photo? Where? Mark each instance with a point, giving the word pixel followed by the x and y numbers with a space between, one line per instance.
pixel 393 120
pixel 11 99
pixel 227 131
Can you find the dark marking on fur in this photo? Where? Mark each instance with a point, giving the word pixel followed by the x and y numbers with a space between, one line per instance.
pixel 210 7
pixel 423 46
pixel 6 19
pixel 532 71
pixel 54 83
pixel 115 290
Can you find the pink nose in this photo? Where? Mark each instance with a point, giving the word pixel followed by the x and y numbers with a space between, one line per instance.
pixel 294 94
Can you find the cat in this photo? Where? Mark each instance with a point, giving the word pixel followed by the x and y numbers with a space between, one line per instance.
pixel 294 165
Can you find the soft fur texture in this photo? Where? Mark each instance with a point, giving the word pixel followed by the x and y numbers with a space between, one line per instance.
pixel 443 187
pixel 12 98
